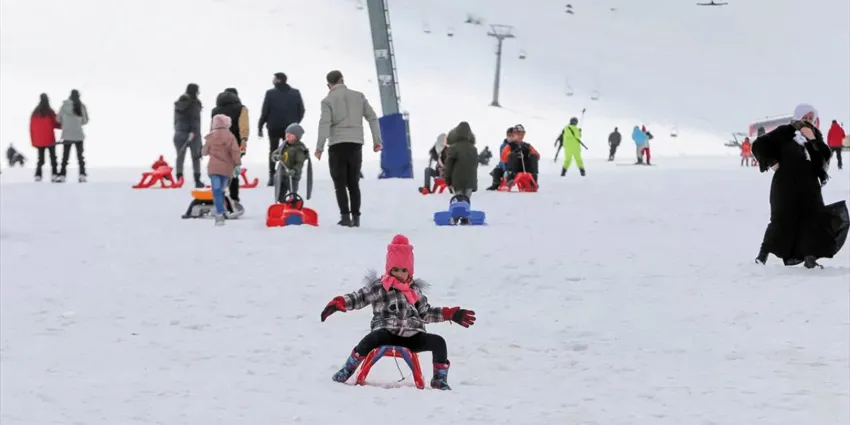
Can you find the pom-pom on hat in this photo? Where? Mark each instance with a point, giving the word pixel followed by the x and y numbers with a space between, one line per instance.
pixel 400 254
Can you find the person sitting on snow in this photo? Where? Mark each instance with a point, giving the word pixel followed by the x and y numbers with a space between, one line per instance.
pixel 485 156
pixel 520 156
pixel 499 171
pixel 292 153
pixel 437 155
pixel 400 312
pixel 14 157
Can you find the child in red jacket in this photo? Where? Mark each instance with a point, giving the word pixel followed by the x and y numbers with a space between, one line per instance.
pixel 42 125
pixel 400 312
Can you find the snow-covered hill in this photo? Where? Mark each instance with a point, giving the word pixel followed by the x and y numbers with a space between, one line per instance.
pixel 627 298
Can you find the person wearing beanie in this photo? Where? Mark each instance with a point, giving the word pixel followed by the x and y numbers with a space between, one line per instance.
pixel 400 311
pixel 799 219
pixel 293 154
pixel 282 106
pixel 461 166
pixel 220 145
pixel 228 103
pixel 341 127
pixel 187 132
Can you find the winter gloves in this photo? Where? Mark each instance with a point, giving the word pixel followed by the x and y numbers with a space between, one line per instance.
pixel 237 170
pixel 336 304
pixel 465 318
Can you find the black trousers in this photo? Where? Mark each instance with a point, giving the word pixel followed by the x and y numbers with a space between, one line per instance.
pixel 52 152
pixel 612 152
pixel 345 161
pixel 837 152
pixel 66 155
pixel 275 136
pixel 234 188
pixel 417 343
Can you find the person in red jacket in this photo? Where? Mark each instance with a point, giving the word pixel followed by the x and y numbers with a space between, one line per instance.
pixel 834 139
pixel 42 125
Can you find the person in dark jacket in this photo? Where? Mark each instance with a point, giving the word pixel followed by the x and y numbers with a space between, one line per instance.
pixel 228 103
pixel 461 167
pixel 499 171
pixel 282 106
pixel 614 140
pixel 799 158
pixel 187 132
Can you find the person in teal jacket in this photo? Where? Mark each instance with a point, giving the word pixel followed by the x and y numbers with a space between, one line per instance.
pixel 640 139
pixel 570 139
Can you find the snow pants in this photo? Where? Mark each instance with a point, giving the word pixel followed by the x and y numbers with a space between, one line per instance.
pixel 572 151
pixel 182 144
pixel 417 343
pixel 66 156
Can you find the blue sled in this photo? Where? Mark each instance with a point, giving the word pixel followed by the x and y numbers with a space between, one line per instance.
pixel 459 209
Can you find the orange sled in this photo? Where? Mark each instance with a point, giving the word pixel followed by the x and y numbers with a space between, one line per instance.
pixel 246 184
pixel 291 213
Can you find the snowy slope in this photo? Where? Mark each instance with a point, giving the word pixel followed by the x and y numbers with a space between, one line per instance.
pixel 132 60
pixel 627 298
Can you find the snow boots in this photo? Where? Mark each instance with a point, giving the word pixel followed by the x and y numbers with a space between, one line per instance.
pixel 440 381
pixel 348 369
pixel 580 170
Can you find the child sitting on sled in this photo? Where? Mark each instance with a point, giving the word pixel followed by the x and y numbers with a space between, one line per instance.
pixel 291 154
pixel 400 312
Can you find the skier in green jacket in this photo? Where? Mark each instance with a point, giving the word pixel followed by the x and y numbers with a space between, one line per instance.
pixel 570 139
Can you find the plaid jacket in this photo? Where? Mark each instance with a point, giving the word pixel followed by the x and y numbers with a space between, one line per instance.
pixel 391 310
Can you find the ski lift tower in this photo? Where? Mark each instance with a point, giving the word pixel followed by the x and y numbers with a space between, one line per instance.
pixel 500 33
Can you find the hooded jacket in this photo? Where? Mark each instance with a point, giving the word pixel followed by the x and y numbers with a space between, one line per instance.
pixel 72 124
pixel 461 166
pixel 227 103
pixel 220 145
pixel 639 137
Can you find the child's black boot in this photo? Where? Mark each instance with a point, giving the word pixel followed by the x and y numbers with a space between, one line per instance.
pixel 440 380
pixel 348 369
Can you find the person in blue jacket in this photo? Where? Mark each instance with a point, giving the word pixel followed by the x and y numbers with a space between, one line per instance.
pixel 501 167
pixel 640 140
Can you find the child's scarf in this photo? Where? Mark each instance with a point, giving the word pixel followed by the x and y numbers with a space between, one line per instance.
pixel 404 287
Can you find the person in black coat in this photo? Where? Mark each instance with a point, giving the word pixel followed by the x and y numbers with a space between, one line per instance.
pixel 282 106
pixel 799 158
pixel 228 103
pixel 187 132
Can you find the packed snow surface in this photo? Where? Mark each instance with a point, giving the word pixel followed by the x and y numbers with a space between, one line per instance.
pixel 627 297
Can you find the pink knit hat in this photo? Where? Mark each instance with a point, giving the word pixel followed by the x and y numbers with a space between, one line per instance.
pixel 400 254
pixel 221 121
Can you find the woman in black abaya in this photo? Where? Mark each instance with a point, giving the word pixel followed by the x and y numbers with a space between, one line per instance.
pixel 798 229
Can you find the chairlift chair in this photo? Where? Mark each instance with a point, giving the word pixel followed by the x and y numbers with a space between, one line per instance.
pixel 450 32
pixel 359 6
pixel 595 95
pixel 426 29
pixel 522 54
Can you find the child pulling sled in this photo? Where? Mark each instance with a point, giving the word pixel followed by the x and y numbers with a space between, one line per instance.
pixel 400 312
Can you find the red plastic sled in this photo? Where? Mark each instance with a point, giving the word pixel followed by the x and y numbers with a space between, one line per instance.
pixel 439 187
pixel 162 175
pixel 291 213
pixel 246 184
pixel 523 182
pixel 411 358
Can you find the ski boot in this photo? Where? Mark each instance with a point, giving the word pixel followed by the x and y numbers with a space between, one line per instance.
pixel 440 380
pixel 811 263
pixel 37 179
pixel 582 172
pixel 355 220
pixel 348 369
pixel 219 219
pixel 82 178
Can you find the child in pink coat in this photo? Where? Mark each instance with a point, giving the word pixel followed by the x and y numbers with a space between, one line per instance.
pixel 220 145
pixel 400 311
